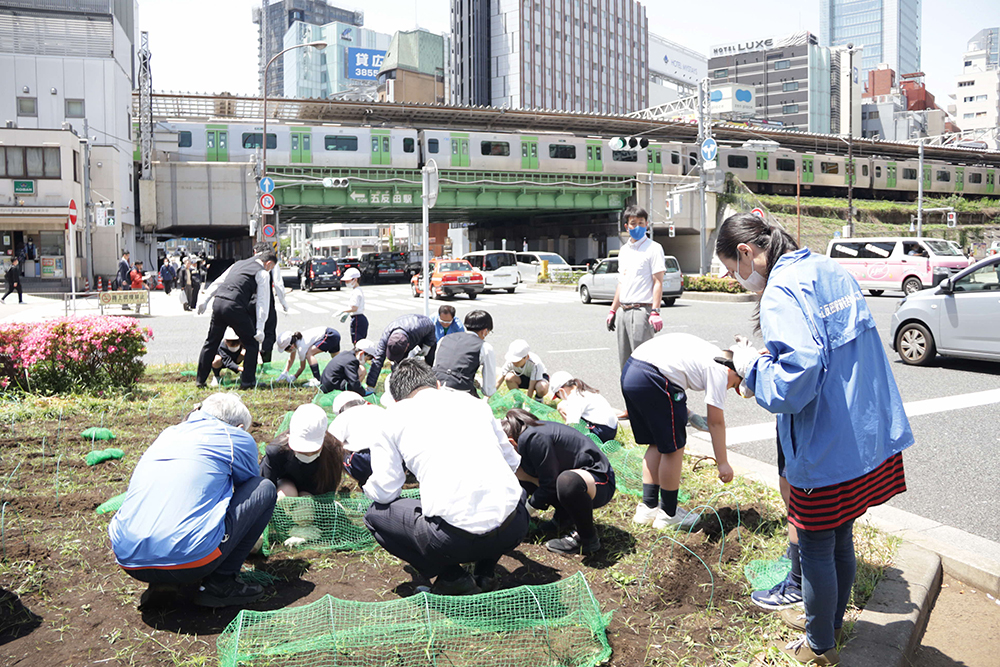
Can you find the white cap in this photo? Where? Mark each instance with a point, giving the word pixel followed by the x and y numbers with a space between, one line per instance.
pixel 352 274
pixel 558 379
pixel 230 334
pixel 366 346
pixel 284 340
pixel 518 350
pixel 307 429
pixel 343 398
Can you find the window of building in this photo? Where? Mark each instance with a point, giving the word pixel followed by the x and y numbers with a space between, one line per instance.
pixel 432 145
pixel 829 168
pixel 981 98
pixel 784 164
pixel 27 106
pixel 76 166
pixel 408 144
pixel 942 176
pixel 625 156
pixel 790 108
pixel 499 148
pixel 789 86
pixel 720 73
pixel 255 140
pixel 968 115
pixel 968 63
pixel 340 142
pixel 75 109
pixel 966 84
pixel 184 139
pixel 909 174
pixel 738 162
pixel 975 178
pixel 562 151
pixel 782 64
pixel 980 114
pixel 873 115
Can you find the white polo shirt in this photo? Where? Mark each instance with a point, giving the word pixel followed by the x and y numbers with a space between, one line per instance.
pixel 637 262
pixel 689 362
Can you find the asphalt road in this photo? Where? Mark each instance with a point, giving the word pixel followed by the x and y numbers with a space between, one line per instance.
pixel 952 470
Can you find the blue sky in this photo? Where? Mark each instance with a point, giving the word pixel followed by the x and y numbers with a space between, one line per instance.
pixel 211 46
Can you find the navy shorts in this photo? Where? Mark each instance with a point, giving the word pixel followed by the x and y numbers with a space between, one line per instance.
pixel 330 342
pixel 602 431
pixel 525 380
pixel 605 485
pixel 359 465
pixel 359 328
pixel 657 408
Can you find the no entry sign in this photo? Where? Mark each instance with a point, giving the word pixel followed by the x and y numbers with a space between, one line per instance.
pixel 72 211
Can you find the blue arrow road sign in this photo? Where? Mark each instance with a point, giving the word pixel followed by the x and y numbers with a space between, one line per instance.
pixel 709 149
pixel 267 185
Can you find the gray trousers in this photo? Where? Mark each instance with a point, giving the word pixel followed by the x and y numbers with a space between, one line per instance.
pixel 633 329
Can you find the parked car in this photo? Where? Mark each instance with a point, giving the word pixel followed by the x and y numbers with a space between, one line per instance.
pixel 599 283
pixel 529 264
pixel 957 319
pixel 344 263
pixel 897 263
pixel 383 267
pixel 318 272
pixel 499 268
pixel 448 278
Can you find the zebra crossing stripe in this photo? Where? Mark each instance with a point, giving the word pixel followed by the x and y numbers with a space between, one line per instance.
pixel 309 308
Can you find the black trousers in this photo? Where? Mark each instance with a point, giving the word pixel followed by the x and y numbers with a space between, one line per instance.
pixel 167 286
pixel 11 288
pixel 191 292
pixel 270 333
pixel 225 313
pixel 433 546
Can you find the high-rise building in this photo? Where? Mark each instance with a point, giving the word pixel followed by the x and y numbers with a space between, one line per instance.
pixel 417 68
pixel 575 55
pixel 273 20
pixel 977 99
pixel 346 69
pixel 987 40
pixel 888 31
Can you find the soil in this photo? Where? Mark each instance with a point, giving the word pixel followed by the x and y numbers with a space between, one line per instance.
pixel 963 629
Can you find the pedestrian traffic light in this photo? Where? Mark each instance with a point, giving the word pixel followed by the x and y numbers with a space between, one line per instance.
pixel 628 143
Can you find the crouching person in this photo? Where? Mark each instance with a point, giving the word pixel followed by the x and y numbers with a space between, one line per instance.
pixel 195 505
pixel 471 507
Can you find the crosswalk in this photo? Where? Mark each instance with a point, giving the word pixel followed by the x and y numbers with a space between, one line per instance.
pixel 379 298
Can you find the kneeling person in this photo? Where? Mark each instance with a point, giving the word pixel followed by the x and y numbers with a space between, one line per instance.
pixel 460 355
pixel 344 371
pixel 230 356
pixel 471 507
pixel 357 425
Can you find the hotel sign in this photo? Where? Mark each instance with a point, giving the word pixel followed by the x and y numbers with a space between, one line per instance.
pixel 743 47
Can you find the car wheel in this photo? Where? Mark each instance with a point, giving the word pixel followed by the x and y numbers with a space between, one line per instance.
pixel 911 285
pixel 876 292
pixel 510 290
pixel 915 344
pixel 584 294
pixel 472 295
pixel 669 301
pixel 338 288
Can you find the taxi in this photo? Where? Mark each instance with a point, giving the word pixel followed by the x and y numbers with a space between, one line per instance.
pixel 448 278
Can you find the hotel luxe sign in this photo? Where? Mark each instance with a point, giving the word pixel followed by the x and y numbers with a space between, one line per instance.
pixel 743 47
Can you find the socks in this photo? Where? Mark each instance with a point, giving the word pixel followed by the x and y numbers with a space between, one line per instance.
pixel 795 576
pixel 571 490
pixel 315 369
pixel 649 494
pixel 668 501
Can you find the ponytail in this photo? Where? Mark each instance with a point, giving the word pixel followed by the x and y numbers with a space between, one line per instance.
pixel 749 228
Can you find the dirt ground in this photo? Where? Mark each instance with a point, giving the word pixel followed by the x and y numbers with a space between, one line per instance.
pixel 963 629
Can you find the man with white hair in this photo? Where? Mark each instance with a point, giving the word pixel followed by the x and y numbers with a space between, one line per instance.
pixel 195 505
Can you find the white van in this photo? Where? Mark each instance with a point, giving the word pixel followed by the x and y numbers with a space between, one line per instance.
pixel 897 263
pixel 499 268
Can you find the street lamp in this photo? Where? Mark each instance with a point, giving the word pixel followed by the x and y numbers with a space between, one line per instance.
pixel 850 141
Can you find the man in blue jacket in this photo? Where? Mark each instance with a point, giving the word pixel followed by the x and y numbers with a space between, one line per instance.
pixel 195 506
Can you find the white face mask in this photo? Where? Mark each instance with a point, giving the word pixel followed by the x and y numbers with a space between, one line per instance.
pixel 306 458
pixel 755 283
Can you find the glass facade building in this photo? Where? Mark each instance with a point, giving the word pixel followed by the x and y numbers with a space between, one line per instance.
pixel 987 40
pixel 888 31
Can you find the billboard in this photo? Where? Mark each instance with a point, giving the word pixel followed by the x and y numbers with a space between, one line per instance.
pixel 364 64
pixel 732 99
pixel 673 61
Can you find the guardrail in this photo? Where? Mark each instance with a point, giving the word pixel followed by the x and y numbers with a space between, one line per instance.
pixel 103 300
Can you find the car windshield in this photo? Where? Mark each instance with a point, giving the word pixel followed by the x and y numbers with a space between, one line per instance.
pixel 942 248
pixel 454 266
pixel 551 258
pixel 324 267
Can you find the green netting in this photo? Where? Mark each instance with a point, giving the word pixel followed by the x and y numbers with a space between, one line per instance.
pixel 326 400
pixel 98 433
pixel 189 374
pixel 765 574
pixel 111 505
pixel 515 398
pixel 331 522
pixel 285 421
pixel 558 624
pixel 102 455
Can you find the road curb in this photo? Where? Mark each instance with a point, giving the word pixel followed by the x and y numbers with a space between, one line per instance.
pixel 555 287
pixel 724 297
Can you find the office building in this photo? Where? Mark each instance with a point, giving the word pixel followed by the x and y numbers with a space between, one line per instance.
pixel 987 40
pixel 887 30
pixel 587 55
pixel 977 92
pixel 279 16
pixel 68 64
pixel 417 68
pixel 899 111
pixel 346 69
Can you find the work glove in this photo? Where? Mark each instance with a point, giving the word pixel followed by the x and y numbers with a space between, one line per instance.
pixel 344 316
pixel 259 336
pixel 656 322
pixel 201 307
pixel 611 321
pixel 284 307
pixel 744 356
pixel 284 377
pixel 313 382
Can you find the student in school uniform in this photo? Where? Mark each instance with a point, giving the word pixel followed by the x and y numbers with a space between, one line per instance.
pixel 344 371
pixel 524 370
pixel 356 424
pixel 304 346
pixel 230 356
pixel 459 357
pixel 356 306
pixel 581 402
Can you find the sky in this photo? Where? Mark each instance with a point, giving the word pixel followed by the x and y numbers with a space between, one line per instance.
pixel 211 45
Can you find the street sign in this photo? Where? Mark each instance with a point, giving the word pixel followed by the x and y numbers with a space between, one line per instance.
pixel 267 202
pixel 72 211
pixel 267 185
pixel 709 149
pixel 268 231
pixel 431 183
pixel 952 218
pixel 758 212
pixel 24 187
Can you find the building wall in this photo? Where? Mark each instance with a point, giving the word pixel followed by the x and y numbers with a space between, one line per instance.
pixel 313 73
pixel 470 28
pixel 987 40
pixel 977 103
pixel 412 87
pixel 888 30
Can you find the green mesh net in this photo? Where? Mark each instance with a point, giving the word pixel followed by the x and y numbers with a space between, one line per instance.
pixel 98 433
pixel 500 403
pixel 102 455
pixel 111 505
pixel 331 522
pixel 765 574
pixel 558 624
pixel 326 400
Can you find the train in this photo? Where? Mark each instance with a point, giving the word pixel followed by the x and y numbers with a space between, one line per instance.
pixel 765 167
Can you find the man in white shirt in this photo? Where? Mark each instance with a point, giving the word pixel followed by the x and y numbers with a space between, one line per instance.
pixel 471 506
pixel 278 293
pixel 641 266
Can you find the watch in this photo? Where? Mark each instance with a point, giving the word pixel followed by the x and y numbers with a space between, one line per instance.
pixel 655 310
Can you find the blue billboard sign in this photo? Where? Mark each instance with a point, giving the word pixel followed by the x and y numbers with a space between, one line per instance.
pixel 364 63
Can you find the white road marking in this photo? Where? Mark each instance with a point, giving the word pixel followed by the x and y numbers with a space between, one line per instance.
pixel 309 308
pixel 582 349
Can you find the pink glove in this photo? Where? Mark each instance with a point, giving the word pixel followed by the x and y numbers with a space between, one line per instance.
pixel 656 322
pixel 611 321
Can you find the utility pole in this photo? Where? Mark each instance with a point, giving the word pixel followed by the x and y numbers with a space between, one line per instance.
pixel 920 189
pixel 89 252
pixel 850 140
pixel 704 133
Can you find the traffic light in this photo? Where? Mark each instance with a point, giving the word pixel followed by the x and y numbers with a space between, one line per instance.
pixel 628 143
pixel 335 182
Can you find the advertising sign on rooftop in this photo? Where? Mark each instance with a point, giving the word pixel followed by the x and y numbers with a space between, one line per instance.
pixel 364 64
pixel 732 99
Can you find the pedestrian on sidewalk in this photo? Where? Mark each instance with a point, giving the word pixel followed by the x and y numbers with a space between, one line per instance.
pixel 13 277
pixel 355 307
pixel 190 283
pixel 137 276
pixel 564 468
pixel 123 280
pixel 582 403
pixel 840 418
pixel 304 346
pixel 167 275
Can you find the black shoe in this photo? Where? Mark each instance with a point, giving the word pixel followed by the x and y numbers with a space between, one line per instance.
pixel 245 387
pixel 227 592
pixel 465 585
pixel 571 544
pixel 200 385
pixel 158 595
pixel 487 584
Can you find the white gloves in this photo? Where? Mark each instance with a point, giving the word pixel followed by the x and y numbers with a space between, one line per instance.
pixel 284 307
pixel 201 307
pixel 313 382
pixel 285 377
pixel 259 336
pixel 744 356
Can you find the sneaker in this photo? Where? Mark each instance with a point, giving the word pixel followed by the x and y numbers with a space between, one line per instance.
pixel 226 592
pixel 487 584
pixel 800 651
pixel 465 585
pixel 572 544
pixel 312 383
pixel 644 516
pixel 157 595
pixel 782 596
pixel 795 618
pixel 682 519
pixel 214 382
pixel 697 422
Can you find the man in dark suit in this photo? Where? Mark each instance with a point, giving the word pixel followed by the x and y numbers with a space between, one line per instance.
pixel 13 280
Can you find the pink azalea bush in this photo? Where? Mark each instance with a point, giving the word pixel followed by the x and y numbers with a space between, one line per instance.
pixel 72 354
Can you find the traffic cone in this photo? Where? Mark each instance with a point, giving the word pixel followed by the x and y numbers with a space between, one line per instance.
pixel 100 286
pixel 86 285
pixel 159 282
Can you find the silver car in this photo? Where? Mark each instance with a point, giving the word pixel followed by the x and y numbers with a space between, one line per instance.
pixel 958 318
pixel 599 283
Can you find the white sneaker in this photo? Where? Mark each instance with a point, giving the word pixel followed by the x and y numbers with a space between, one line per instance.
pixel 644 516
pixel 214 382
pixel 698 422
pixel 681 520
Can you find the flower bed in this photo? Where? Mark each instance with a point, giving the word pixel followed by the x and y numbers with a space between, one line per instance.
pixel 694 283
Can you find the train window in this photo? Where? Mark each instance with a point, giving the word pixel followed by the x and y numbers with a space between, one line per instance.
pixel 909 174
pixel 943 176
pixel 845 250
pixel 500 148
pixel 975 178
pixel 254 140
pixel 432 145
pixel 738 162
pixel 829 168
pixel 562 151
pixel 339 142
pixel 408 145
pixel 864 170
pixel 183 139
pixel 878 172
pixel 454 147
pixel 784 164
pixel 675 158
pixel 625 156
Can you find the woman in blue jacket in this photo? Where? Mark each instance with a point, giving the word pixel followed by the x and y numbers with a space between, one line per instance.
pixel 840 418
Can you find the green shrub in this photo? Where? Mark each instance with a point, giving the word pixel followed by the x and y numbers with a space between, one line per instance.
pixel 694 283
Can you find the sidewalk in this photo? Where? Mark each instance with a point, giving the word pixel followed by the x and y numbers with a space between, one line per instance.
pixel 40 307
